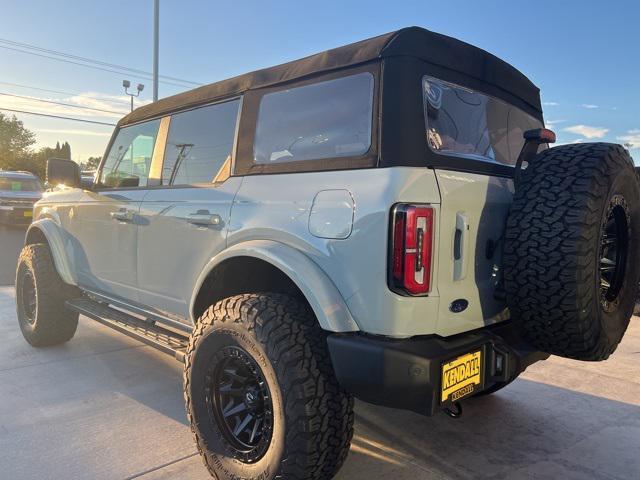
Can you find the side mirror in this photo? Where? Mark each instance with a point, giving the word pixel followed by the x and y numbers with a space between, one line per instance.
pixel 63 171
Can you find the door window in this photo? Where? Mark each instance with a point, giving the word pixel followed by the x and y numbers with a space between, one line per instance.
pixel 129 159
pixel 200 142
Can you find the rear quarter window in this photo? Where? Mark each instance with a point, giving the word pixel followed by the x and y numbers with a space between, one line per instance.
pixel 328 119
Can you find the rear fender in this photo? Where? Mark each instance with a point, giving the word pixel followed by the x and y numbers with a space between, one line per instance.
pixel 323 296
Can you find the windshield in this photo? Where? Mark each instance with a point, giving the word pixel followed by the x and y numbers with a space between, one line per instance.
pixel 463 122
pixel 19 184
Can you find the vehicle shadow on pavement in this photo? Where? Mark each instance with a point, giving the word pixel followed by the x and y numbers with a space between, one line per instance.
pixel 529 430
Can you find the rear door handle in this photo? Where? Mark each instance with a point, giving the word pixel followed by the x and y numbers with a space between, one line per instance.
pixel 204 217
pixel 123 215
pixel 460 247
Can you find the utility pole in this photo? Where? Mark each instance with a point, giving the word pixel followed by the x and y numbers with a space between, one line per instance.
pixel 156 42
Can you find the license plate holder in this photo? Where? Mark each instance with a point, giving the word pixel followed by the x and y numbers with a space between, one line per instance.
pixel 462 376
pixel 27 214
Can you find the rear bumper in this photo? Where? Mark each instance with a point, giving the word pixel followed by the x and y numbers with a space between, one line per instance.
pixel 407 373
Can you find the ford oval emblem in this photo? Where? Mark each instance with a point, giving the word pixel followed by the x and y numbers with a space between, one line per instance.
pixel 459 305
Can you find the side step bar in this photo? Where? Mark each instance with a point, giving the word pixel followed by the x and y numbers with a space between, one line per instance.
pixel 168 341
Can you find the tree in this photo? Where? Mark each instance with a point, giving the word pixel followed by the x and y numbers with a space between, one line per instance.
pixel 16 148
pixel 91 163
pixel 15 142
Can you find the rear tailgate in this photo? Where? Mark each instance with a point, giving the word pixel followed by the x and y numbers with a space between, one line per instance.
pixel 473 214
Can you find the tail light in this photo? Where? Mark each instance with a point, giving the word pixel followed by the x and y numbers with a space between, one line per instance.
pixel 411 249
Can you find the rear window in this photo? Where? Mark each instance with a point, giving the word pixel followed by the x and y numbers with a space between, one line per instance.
pixel 466 123
pixel 19 184
pixel 328 119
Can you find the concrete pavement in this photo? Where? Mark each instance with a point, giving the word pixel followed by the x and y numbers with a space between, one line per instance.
pixel 104 406
pixel 11 241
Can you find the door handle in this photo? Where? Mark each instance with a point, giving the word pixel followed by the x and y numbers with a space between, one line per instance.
pixel 123 215
pixel 460 247
pixel 204 217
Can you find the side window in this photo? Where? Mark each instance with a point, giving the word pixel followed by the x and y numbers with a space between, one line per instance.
pixel 129 159
pixel 199 143
pixel 328 119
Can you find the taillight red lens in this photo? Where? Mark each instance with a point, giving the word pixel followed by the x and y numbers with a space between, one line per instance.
pixel 412 249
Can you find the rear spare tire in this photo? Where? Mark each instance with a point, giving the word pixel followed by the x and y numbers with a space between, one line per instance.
pixel 571 250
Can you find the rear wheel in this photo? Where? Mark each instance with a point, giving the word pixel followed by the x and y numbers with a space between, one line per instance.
pixel 261 394
pixel 40 299
pixel 572 256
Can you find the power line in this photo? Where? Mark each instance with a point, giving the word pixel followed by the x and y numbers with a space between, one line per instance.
pixel 110 100
pixel 95 67
pixel 90 60
pixel 62 103
pixel 56 116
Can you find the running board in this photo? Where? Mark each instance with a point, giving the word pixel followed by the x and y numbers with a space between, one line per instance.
pixel 168 341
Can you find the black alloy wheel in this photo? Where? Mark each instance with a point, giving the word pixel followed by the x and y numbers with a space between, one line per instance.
pixel 29 297
pixel 614 248
pixel 240 403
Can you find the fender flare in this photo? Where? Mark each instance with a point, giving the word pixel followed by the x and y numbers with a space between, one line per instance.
pixel 51 231
pixel 324 298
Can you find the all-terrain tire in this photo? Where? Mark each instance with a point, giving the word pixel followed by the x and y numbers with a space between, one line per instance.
pixel 558 230
pixel 312 417
pixel 40 297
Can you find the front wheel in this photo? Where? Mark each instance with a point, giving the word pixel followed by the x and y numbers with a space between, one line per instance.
pixel 40 298
pixel 262 398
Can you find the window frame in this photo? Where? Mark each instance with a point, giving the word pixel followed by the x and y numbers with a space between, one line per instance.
pixel 151 180
pixel 403 140
pixel 240 99
pixel 244 163
pixel 157 163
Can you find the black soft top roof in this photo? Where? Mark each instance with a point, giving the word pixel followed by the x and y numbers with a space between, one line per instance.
pixel 416 42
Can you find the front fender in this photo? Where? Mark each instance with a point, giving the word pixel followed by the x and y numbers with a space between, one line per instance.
pixel 323 296
pixel 52 232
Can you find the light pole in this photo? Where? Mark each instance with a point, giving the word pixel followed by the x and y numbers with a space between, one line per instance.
pixel 156 45
pixel 126 84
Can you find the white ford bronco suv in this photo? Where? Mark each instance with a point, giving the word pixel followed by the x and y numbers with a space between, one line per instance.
pixel 383 220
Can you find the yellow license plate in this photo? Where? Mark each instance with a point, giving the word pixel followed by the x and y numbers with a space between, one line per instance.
pixel 28 213
pixel 461 377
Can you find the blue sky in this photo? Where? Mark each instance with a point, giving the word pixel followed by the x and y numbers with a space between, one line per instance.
pixel 584 55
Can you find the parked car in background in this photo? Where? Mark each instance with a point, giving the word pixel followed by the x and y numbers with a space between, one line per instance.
pixel 18 192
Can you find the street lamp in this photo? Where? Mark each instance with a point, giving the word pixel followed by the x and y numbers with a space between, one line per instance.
pixel 126 84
